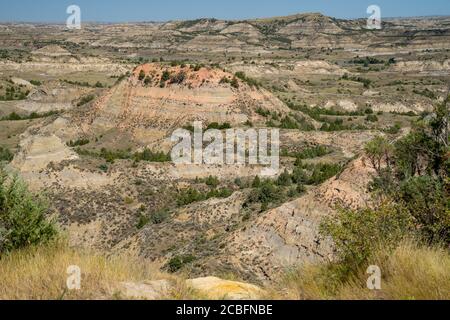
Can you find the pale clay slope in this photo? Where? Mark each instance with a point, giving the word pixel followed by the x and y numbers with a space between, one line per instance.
pixel 289 235
pixel 299 68
pixel 55 61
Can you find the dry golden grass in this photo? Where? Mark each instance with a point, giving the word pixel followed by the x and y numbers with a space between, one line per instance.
pixel 40 273
pixel 410 272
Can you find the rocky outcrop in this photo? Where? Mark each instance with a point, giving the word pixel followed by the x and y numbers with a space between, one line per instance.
pixel 210 288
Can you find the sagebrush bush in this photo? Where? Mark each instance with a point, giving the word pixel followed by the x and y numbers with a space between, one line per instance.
pixel 23 219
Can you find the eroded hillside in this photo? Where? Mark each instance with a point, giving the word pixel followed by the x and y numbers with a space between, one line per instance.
pixel 88 121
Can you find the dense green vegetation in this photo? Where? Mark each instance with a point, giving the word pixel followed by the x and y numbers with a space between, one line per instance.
pixel 34 115
pixel 212 125
pixel 178 262
pixel 36 82
pixel 22 216
pixel 222 126
pixel 112 155
pixel 98 84
pixel 6 154
pixel 85 100
pixel 338 125
pixel 412 190
pixel 366 61
pixel 320 172
pixel 78 143
pixel 14 93
pixel 267 192
pixel 190 195
pixel 244 78
pixel 292 121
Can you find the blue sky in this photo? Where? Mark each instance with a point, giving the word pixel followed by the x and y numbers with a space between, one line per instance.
pixel 162 10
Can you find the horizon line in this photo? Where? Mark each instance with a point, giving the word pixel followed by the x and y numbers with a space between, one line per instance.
pixel 213 18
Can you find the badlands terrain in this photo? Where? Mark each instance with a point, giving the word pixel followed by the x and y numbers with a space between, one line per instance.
pixel 87 117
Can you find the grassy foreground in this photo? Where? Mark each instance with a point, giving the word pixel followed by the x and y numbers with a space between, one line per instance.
pixel 411 272
pixel 39 272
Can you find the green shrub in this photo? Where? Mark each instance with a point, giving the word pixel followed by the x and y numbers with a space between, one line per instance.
pixel 224 80
pixel 35 82
pixel 189 196
pixel 192 195
pixel 288 123
pixel 12 117
pixel 414 173
pixel 197 67
pixel 165 76
pixel 151 156
pixel 77 143
pixel 103 167
pixel 262 112
pixel 219 193
pixel 128 200
pixel 15 117
pixel 234 83
pixel 301 188
pixel 428 202
pixel 212 181
pixel 178 262
pixel 358 233
pixel 215 125
pixel 141 75
pixel 322 172
pixel 142 221
pixel 22 216
pixel 371 118
pixel 159 216
pixel 395 129
pixel 265 193
pixel 177 78
pixel 85 100
pixel 379 151
pixel 251 82
pixel 6 155
pixel 284 179
pixel 256 182
pixel 299 175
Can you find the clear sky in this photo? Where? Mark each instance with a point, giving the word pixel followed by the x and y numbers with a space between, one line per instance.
pixel 163 10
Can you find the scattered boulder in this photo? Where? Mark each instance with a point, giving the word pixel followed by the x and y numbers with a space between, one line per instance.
pixel 216 288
